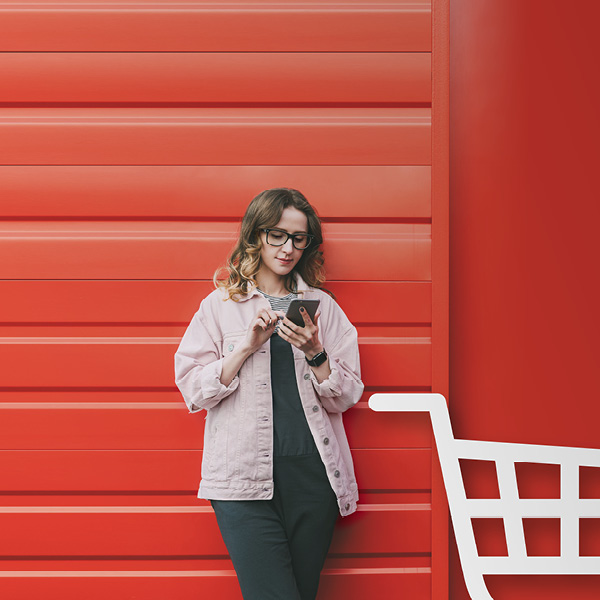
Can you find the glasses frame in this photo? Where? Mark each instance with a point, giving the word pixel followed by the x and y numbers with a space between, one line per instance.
pixel 289 235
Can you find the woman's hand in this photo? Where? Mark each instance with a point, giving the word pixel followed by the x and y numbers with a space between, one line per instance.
pixel 260 330
pixel 304 338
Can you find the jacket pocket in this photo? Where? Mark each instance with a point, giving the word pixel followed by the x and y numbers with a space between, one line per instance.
pixel 216 436
pixel 231 342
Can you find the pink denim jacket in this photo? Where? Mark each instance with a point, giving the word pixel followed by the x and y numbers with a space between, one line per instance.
pixel 238 435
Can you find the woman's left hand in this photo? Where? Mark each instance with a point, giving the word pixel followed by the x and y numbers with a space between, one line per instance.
pixel 304 338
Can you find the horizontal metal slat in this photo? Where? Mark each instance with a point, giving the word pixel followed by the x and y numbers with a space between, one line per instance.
pixel 185 531
pixel 153 302
pixel 367 429
pixel 393 469
pixel 148 363
pixel 414 584
pixel 260 136
pixel 168 426
pixel 263 26
pixel 387 252
pixel 248 78
pixel 178 470
pixel 357 192
pixel 351 584
pixel 395 362
pixel 94 396
pixel 61 566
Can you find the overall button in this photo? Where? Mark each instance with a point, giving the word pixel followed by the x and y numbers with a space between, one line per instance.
pixel 336 473
pixel 326 441
pixel 307 376
pixel 315 408
pixel 230 347
pixel 347 507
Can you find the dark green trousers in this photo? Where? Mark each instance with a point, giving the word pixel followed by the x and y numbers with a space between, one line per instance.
pixel 278 546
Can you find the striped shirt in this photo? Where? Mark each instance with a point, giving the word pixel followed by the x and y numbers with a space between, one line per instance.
pixel 281 304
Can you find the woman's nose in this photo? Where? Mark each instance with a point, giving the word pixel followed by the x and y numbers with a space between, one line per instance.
pixel 288 246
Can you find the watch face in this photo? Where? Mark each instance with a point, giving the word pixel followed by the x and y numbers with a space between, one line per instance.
pixel 319 359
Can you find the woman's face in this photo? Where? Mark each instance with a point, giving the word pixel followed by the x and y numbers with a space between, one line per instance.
pixel 280 260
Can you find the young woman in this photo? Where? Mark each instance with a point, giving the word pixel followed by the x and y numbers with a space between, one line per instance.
pixel 276 463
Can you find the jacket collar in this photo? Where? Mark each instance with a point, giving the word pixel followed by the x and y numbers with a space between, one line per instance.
pixel 301 286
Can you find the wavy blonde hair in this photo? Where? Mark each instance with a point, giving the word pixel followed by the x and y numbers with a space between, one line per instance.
pixel 263 212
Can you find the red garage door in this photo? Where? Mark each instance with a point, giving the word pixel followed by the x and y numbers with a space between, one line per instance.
pixel 134 135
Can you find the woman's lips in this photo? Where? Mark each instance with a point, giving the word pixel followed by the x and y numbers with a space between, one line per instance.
pixel 284 261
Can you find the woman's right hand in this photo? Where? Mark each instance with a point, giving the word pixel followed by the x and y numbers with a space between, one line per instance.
pixel 261 329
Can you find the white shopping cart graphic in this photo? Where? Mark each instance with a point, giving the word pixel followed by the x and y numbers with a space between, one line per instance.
pixel 569 508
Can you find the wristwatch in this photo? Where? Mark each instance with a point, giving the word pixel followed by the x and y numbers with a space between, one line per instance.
pixel 317 359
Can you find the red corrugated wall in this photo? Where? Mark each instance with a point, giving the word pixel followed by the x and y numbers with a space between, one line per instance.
pixel 524 256
pixel 134 134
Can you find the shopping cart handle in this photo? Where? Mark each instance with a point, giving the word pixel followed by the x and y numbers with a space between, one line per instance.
pixel 408 403
pixel 434 404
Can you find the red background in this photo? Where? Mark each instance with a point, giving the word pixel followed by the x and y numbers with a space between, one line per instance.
pixel 134 134
pixel 522 260
pixel 524 212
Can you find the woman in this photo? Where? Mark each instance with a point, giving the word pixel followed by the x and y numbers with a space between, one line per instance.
pixel 276 463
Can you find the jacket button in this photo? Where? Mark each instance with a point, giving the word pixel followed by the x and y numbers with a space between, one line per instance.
pixel 326 441
pixel 315 408
pixel 307 376
pixel 336 473
pixel 347 507
pixel 230 347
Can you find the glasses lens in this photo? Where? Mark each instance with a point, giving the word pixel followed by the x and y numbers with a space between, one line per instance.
pixel 301 242
pixel 276 238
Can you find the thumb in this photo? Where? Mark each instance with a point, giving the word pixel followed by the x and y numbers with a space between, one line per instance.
pixel 317 315
pixel 304 313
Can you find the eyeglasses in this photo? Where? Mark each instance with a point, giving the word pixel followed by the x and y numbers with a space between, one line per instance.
pixel 278 237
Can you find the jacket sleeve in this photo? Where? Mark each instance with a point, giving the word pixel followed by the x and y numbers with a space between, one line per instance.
pixel 343 388
pixel 198 365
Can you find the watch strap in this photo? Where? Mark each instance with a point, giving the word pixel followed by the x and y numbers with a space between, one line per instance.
pixel 317 359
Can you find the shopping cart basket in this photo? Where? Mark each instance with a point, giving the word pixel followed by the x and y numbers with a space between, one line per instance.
pixel 569 508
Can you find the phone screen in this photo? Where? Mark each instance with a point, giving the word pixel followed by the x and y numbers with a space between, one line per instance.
pixel 294 314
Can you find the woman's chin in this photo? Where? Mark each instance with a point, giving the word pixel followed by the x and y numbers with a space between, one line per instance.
pixel 283 269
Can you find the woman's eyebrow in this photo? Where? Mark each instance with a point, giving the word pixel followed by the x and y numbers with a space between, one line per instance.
pixel 294 233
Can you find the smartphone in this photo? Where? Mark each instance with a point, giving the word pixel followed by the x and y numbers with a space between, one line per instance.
pixel 294 314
